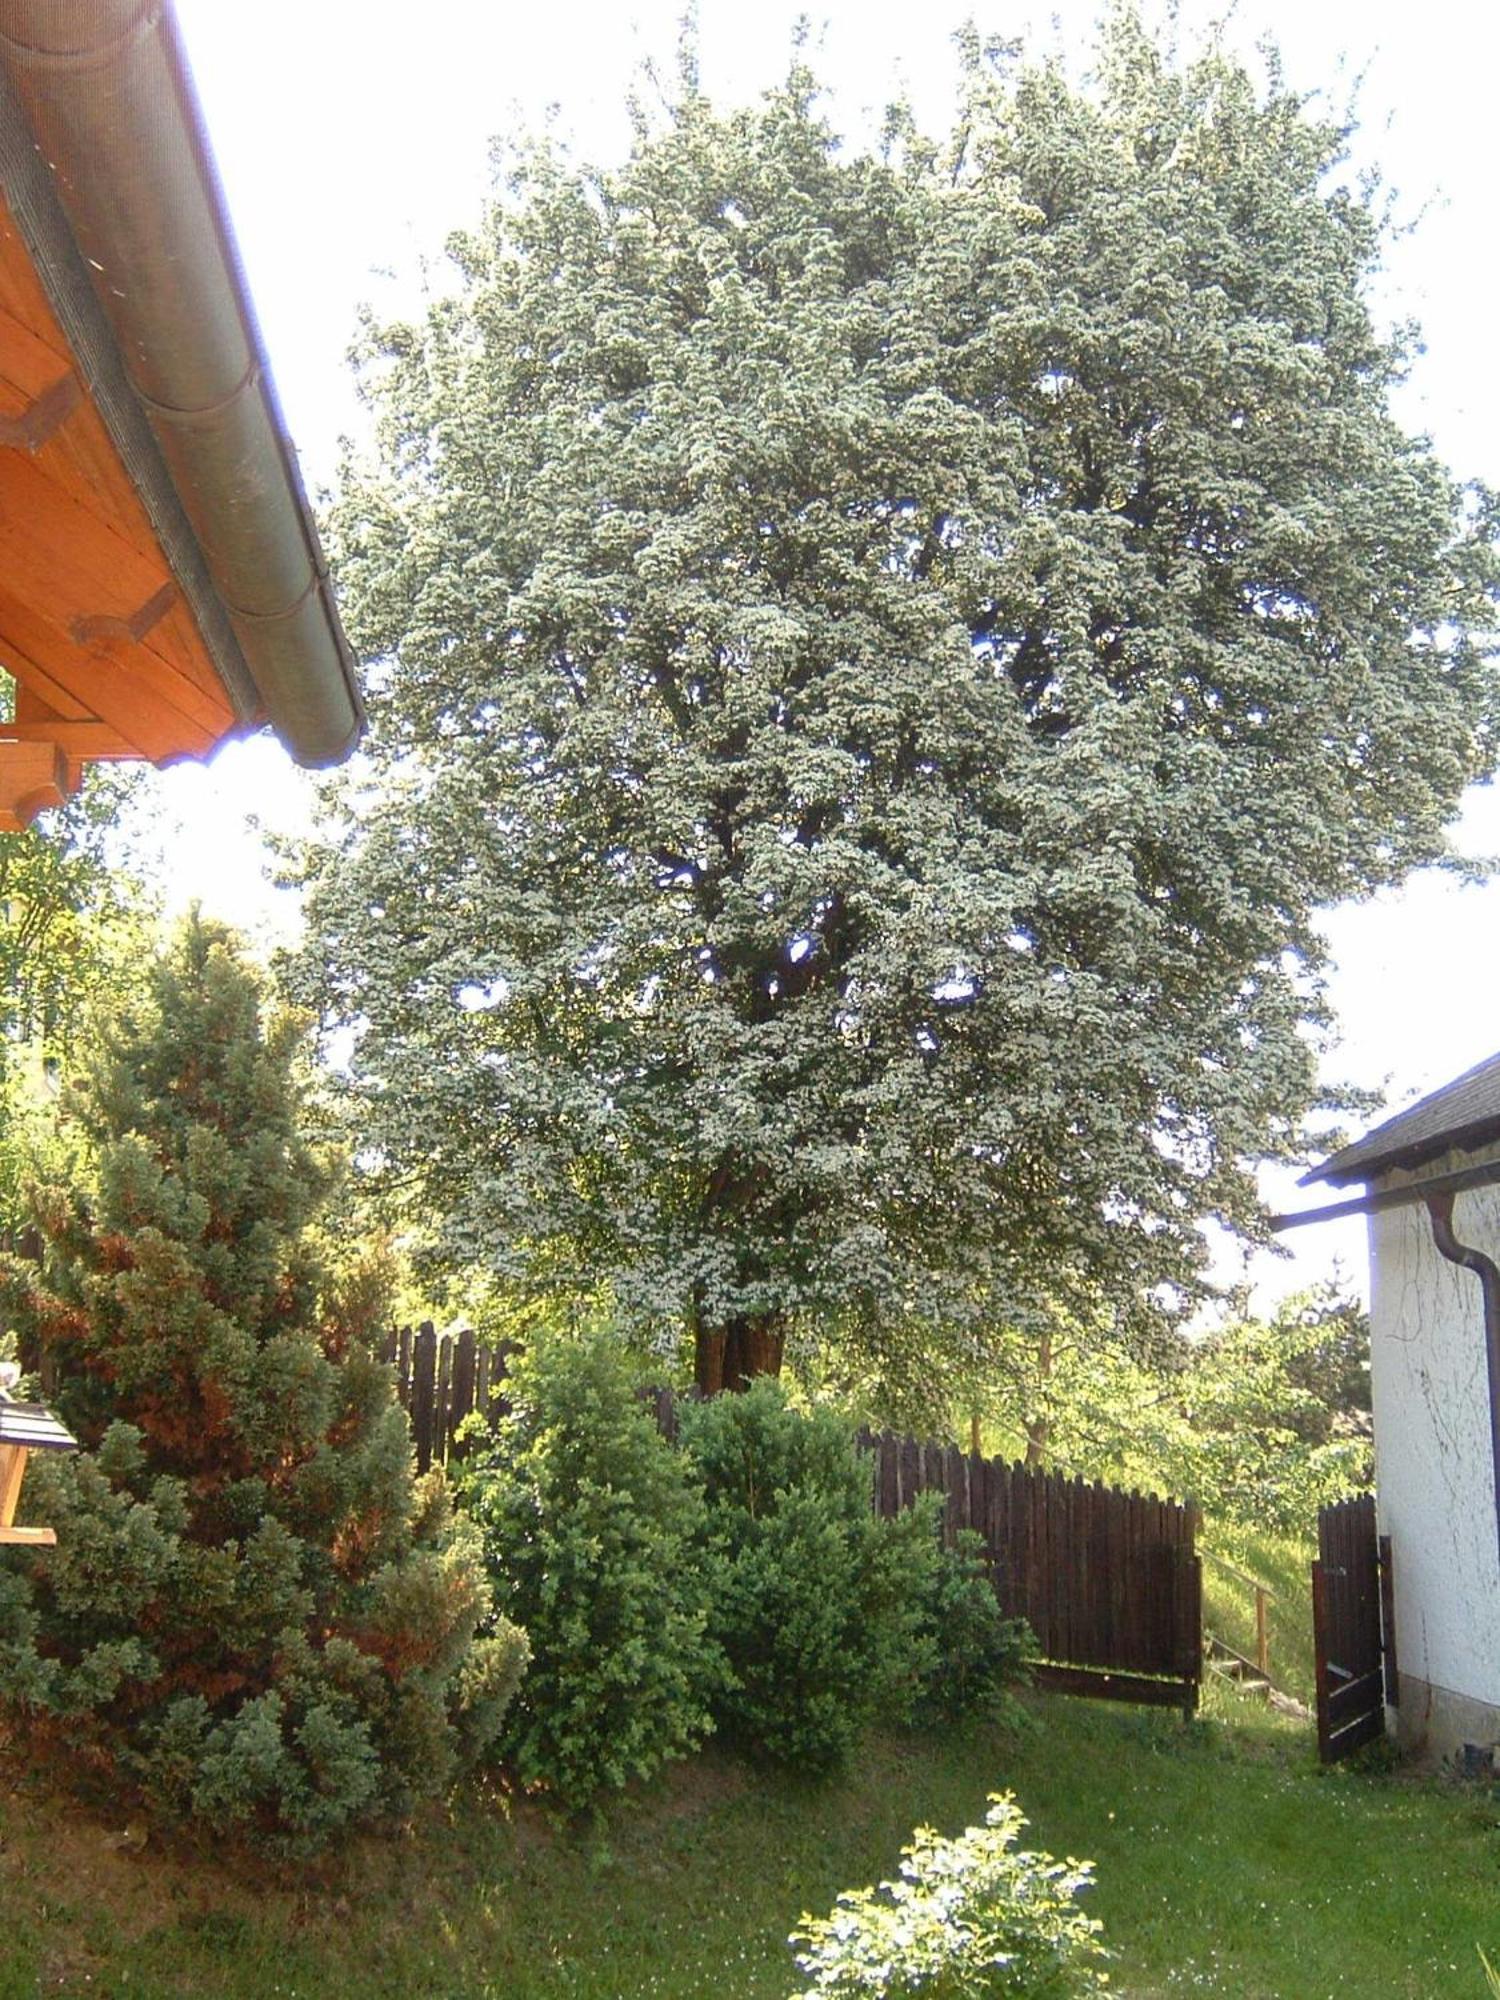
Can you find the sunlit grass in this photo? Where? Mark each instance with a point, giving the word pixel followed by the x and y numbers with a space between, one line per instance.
pixel 1227 1864
pixel 1284 1562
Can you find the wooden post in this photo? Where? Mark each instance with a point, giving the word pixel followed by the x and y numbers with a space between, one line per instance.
pixel 1262 1634
pixel 13 1459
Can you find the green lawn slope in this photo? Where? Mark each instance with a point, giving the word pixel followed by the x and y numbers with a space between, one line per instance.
pixel 1227 1864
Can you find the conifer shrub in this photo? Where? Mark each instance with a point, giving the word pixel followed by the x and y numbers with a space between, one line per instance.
pixel 254 1617
pixel 815 1601
pixel 593 1528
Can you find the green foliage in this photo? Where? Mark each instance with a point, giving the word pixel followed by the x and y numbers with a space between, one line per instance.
pixel 814 1600
pixel 1281 1562
pixel 1237 1439
pixel 1262 1422
pixel 67 920
pixel 966 1653
pixel 1249 1431
pixel 876 663
pixel 1325 1343
pixel 73 934
pixel 592 1529
pixel 253 1618
pixel 969 1917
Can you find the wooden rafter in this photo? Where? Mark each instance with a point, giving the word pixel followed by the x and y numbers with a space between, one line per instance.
pixel 106 657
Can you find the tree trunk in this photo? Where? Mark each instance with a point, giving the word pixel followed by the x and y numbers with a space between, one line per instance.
pixel 731 1356
pixel 1039 1426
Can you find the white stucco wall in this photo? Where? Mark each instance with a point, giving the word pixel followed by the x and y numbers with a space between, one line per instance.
pixel 1434 1471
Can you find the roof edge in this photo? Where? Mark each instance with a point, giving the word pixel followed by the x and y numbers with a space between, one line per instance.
pixel 107 93
pixel 1460 1139
pixel 33 202
pixel 1459 1116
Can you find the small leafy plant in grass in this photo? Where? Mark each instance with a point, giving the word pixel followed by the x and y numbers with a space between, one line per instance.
pixel 969 1917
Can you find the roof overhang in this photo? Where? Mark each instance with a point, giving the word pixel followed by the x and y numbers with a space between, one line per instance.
pixel 1401 1194
pixel 1461 1116
pixel 162 586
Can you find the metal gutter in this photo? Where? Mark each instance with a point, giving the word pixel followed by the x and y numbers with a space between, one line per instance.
pixel 1437 1193
pixel 105 88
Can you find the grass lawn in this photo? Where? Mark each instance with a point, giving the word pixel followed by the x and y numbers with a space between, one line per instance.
pixel 1284 1563
pixel 1227 1865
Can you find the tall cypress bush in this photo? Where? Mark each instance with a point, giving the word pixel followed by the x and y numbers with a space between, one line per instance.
pixel 254 1613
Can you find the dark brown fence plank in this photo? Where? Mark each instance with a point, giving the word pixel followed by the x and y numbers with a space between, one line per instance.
pixel 482 1382
pixel 1351 1699
pixel 441 1429
pixel 888 1478
pixel 423 1385
pixel 1103 1685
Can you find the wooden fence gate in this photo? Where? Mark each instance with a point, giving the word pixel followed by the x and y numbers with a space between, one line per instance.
pixel 1109 1582
pixel 1353 1634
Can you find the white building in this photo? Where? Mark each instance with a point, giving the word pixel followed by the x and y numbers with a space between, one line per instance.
pixel 1432 1178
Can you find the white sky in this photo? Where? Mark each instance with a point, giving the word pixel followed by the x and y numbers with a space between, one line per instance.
pixel 352 135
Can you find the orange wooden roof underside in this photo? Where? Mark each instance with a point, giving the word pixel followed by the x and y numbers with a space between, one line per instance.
pixel 106 655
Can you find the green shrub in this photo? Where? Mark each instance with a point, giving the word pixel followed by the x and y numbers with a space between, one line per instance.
pixel 593 1529
pixel 969 1917
pixel 966 1653
pixel 814 1600
pixel 253 1617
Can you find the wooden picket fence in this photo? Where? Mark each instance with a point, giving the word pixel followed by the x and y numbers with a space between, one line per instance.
pixel 1110 1582
pixel 441 1379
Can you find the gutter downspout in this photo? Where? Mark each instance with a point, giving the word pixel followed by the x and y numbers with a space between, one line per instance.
pixel 106 89
pixel 1440 1214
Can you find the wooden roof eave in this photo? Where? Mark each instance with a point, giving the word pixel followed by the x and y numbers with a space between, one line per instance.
pixel 107 172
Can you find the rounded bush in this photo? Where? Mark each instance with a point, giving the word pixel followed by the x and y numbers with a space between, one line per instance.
pixel 593 1528
pixel 812 1597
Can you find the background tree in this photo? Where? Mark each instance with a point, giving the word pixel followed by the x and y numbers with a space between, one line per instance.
pixel 74 929
pixel 252 1615
pixel 876 661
